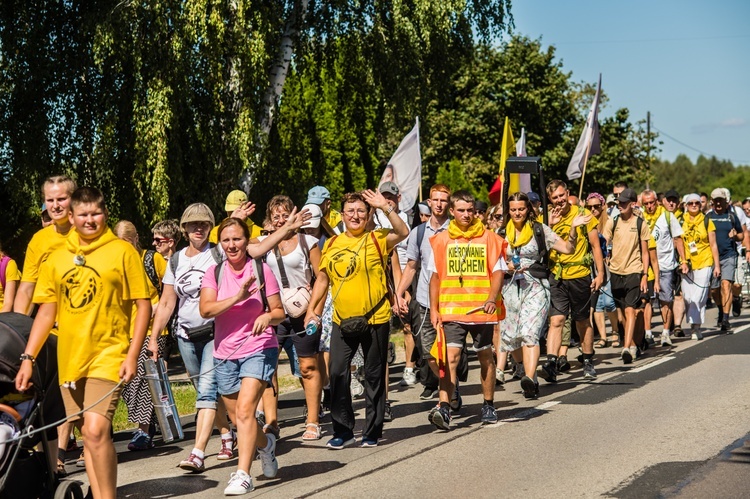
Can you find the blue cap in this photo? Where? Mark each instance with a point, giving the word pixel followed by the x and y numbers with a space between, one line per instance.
pixel 534 197
pixel 44 207
pixel 317 195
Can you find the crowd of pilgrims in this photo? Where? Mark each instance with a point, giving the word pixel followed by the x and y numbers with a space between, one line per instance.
pixel 330 287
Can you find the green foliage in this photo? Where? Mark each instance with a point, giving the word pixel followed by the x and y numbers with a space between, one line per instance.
pixel 453 175
pixel 702 176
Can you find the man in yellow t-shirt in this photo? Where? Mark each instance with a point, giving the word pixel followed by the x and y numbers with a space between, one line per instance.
pixel 571 285
pixel 237 206
pixel 332 222
pixel 629 237
pixel 56 192
pixel 89 287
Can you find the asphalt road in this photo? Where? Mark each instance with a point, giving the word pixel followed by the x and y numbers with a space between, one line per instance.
pixel 673 423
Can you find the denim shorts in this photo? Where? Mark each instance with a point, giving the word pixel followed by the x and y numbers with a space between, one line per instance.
pixel 605 303
pixel 199 359
pixel 260 365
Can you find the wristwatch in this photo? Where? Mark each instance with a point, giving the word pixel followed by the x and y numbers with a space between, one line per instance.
pixel 388 211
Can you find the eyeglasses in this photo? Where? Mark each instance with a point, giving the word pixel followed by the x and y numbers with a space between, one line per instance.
pixel 279 218
pixel 594 206
pixel 480 212
pixel 161 240
pixel 497 217
pixel 351 213
pixel 672 200
pixel 624 203
pixel 693 203
pixel 193 226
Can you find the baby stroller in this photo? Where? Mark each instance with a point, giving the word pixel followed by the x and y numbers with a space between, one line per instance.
pixel 24 471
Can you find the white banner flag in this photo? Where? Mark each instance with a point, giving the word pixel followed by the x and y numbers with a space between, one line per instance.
pixel 525 178
pixel 405 169
pixel 589 140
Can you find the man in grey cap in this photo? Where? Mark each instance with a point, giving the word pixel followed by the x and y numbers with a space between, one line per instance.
pixel 480 209
pixel 729 231
pixel 331 220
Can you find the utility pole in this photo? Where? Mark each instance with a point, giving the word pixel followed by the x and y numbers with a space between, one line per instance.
pixel 648 139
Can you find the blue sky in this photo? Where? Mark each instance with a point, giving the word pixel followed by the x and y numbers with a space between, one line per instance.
pixel 686 61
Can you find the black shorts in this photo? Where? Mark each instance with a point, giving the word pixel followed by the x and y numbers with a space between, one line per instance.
pixel 455 334
pixel 306 346
pixel 626 290
pixel 571 296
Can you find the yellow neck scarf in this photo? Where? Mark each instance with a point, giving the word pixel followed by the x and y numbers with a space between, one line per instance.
pixel 476 229
pixel 651 219
pixel 518 239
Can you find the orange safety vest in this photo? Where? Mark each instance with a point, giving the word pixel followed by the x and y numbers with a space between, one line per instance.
pixel 464 267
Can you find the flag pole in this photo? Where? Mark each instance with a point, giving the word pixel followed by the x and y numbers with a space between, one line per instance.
pixel 583 171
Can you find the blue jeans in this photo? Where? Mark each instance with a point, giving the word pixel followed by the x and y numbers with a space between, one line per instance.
pixel 199 358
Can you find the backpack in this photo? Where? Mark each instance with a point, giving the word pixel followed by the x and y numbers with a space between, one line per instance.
pixel 148 264
pixel 639 226
pixel 540 268
pixel 174 260
pixel 259 275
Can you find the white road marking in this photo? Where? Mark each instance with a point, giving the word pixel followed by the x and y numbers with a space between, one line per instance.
pixel 650 365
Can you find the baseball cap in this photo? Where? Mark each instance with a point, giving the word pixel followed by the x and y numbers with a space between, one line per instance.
pixel 317 195
pixel 611 199
pixel 480 206
pixel 672 194
pixel 235 199
pixel 534 197
pixel 44 207
pixel 628 196
pixel 719 193
pixel 388 188
pixel 317 214
pixel 424 208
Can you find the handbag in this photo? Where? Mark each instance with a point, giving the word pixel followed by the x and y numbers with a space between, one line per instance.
pixel 353 326
pixel 200 334
pixel 296 299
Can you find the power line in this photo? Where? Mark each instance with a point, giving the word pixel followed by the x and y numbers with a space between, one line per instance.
pixel 704 153
pixel 652 40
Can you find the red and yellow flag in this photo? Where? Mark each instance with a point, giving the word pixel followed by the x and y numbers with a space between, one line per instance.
pixel 439 351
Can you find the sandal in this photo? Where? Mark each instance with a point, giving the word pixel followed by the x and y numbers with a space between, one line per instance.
pixel 602 343
pixel 61 469
pixel 616 343
pixel 312 432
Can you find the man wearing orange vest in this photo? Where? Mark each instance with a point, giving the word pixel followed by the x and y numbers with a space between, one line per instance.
pixel 467 266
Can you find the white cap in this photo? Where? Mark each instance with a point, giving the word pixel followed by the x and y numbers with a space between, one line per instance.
pixel 317 214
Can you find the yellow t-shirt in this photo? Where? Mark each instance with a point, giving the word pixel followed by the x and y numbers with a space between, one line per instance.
pixel 356 272
pixel 334 218
pixel 694 231
pixel 11 274
pixel 94 302
pixel 573 265
pixel 44 242
pixel 160 265
pixel 213 236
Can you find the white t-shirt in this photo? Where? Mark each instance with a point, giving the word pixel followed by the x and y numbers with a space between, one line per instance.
pixel 296 264
pixel 382 222
pixel 187 285
pixel 664 241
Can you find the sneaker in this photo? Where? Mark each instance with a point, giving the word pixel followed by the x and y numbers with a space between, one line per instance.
pixel 388 413
pixel 356 388
pixel 456 401
pixel 81 462
pixel 549 371
pixel 519 372
pixel 227 448
pixel 650 340
pixel 499 377
pixel 678 332
pixel 725 326
pixel 627 357
pixel 239 483
pixel 274 430
pixel 665 341
pixel 696 335
pixel 140 441
pixel 635 352
pixel 338 443
pixel 369 442
pixel 261 418
pixel 409 378
pixel 563 364
pixel 428 393
pixel 192 463
pixel 736 306
pixel 489 414
pixel 530 387
pixel 441 418
pixel 588 369
pixel 268 457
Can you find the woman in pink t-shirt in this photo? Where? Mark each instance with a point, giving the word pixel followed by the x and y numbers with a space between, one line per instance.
pixel 246 349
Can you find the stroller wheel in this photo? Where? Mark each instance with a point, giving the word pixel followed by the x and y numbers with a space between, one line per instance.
pixel 68 489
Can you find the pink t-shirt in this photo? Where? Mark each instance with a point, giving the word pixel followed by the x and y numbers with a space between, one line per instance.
pixel 236 324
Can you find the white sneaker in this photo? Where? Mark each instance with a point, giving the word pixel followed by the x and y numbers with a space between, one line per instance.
pixel 500 376
pixel 665 341
pixel 409 379
pixel 239 483
pixel 697 335
pixel 356 387
pixel 268 458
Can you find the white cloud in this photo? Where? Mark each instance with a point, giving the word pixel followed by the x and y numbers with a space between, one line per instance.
pixel 711 127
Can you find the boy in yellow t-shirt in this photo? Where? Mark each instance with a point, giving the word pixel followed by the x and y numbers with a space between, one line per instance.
pixel 90 286
pixel 9 277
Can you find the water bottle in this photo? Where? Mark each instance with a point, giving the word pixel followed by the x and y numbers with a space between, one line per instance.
pixel 516 259
pixel 311 328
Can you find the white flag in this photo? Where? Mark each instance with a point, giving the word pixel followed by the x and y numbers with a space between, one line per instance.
pixel 589 140
pixel 525 180
pixel 405 169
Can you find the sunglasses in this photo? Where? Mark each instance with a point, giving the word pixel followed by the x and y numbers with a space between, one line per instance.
pixel 497 217
pixel 161 240
pixel 594 206
pixel 693 203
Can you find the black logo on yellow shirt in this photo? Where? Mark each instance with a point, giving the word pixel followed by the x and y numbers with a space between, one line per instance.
pixel 82 287
pixel 343 265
